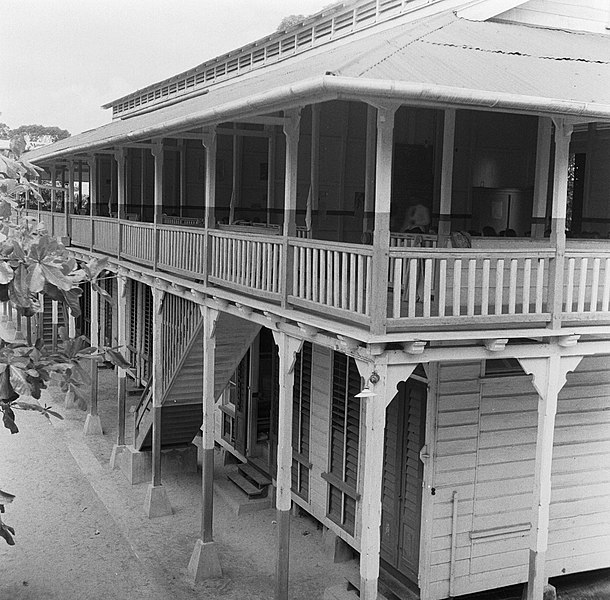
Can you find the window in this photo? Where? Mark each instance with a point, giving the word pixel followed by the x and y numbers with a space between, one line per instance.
pixel 497 367
pixel 344 447
pixel 301 413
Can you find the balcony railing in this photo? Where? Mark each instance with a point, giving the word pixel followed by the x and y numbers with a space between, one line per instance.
pixel 426 286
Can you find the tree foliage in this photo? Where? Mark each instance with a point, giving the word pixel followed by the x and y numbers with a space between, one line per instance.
pixel 33 135
pixel 34 265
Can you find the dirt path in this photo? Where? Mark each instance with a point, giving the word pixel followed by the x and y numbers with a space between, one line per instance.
pixel 82 532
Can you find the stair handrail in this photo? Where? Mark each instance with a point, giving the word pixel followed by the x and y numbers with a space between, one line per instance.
pixel 142 408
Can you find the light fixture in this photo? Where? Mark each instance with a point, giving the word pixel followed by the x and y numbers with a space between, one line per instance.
pixel 366 393
pixel 374 377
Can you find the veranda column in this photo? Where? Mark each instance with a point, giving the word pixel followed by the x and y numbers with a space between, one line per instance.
pixel 381 381
pixel 204 563
pixel 444 217
pixel 369 171
pixel 549 377
pixel 314 168
pixel 563 133
pixel 157 151
pixel 92 196
pixel 54 324
pixel 381 235
pixel 53 196
pixel 292 121
pixel 541 180
pixel 69 203
pixel 209 143
pixel 120 158
pixel 288 348
pixel 157 503
pixel 271 150
pixel 93 424
pixel 121 315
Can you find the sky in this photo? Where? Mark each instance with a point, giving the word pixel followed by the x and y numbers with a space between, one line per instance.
pixel 60 60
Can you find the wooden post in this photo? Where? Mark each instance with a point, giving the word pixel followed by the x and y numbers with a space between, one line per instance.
pixel 53 196
pixel 69 203
pixel 288 348
pixel 271 150
pixel 381 234
pixel 369 173
pixel 314 168
pixel 92 196
pixel 209 143
pixel 444 217
pixel 157 503
pixel 563 133
pixel 157 151
pixel 121 316
pixel 541 180
pixel 292 123
pixel 120 158
pixel 374 408
pixel 93 425
pixel 204 563
pixel 236 184
pixel 549 377
pixel 182 171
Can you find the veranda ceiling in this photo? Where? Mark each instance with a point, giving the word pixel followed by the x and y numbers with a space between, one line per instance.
pixel 444 61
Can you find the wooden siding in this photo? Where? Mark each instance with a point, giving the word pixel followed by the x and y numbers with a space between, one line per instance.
pixel 485 450
pixel 580 15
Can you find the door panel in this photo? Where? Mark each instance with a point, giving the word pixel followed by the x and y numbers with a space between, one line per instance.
pixel 402 478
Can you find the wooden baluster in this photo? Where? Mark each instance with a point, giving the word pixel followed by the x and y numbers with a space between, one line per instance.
pixel 277 267
pixel 540 285
pixel 361 287
pixel 329 278
pixel 527 278
pixel 457 286
pixel 512 288
pixel 485 288
pixel 352 282
pixel 472 271
pixel 428 270
pixel 582 284
pixel 344 265
pixel 369 280
pixel 336 279
pixel 442 287
pixel 499 286
pixel 412 288
pixel 397 285
pixel 315 276
pixel 569 301
pixel 299 253
pixel 323 267
pixel 606 292
pixel 308 272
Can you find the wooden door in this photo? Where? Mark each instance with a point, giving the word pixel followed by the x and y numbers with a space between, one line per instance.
pixel 402 478
pixel 241 404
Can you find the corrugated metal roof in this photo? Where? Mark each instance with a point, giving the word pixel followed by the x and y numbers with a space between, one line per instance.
pixel 455 54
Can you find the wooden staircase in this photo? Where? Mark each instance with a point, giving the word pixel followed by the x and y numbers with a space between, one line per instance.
pixel 47 321
pixel 181 409
pixel 250 480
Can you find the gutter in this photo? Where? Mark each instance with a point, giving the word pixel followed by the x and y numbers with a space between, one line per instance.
pixel 331 87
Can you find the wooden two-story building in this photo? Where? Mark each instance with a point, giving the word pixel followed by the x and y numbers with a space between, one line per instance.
pixel 303 264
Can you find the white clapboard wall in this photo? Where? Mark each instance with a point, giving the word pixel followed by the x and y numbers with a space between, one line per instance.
pixel 486 432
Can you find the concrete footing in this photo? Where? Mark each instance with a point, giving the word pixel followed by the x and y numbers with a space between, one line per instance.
pixel 550 593
pixel 336 549
pixel 204 563
pixel 70 400
pixel 157 503
pixel 114 455
pixel 137 465
pixel 93 425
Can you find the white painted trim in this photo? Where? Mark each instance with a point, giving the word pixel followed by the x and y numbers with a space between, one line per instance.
pixel 486 9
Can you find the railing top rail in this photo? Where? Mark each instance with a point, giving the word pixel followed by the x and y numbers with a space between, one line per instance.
pixel 75 217
pixel 102 219
pixel 256 236
pixel 338 246
pixel 185 228
pixel 470 253
pixel 137 224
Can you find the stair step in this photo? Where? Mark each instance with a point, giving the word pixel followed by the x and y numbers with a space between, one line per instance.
pixel 254 475
pixel 246 486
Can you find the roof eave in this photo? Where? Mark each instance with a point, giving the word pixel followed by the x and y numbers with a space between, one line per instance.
pixel 329 87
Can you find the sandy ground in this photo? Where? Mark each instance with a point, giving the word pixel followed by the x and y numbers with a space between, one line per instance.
pixel 82 532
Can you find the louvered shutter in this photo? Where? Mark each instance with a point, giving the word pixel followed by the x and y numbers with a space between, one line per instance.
pixel 301 413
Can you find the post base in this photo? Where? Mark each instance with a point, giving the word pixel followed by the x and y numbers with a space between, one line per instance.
pixel 114 455
pixel 157 503
pixel 93 425
pixel 336 549
pixel 204 563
